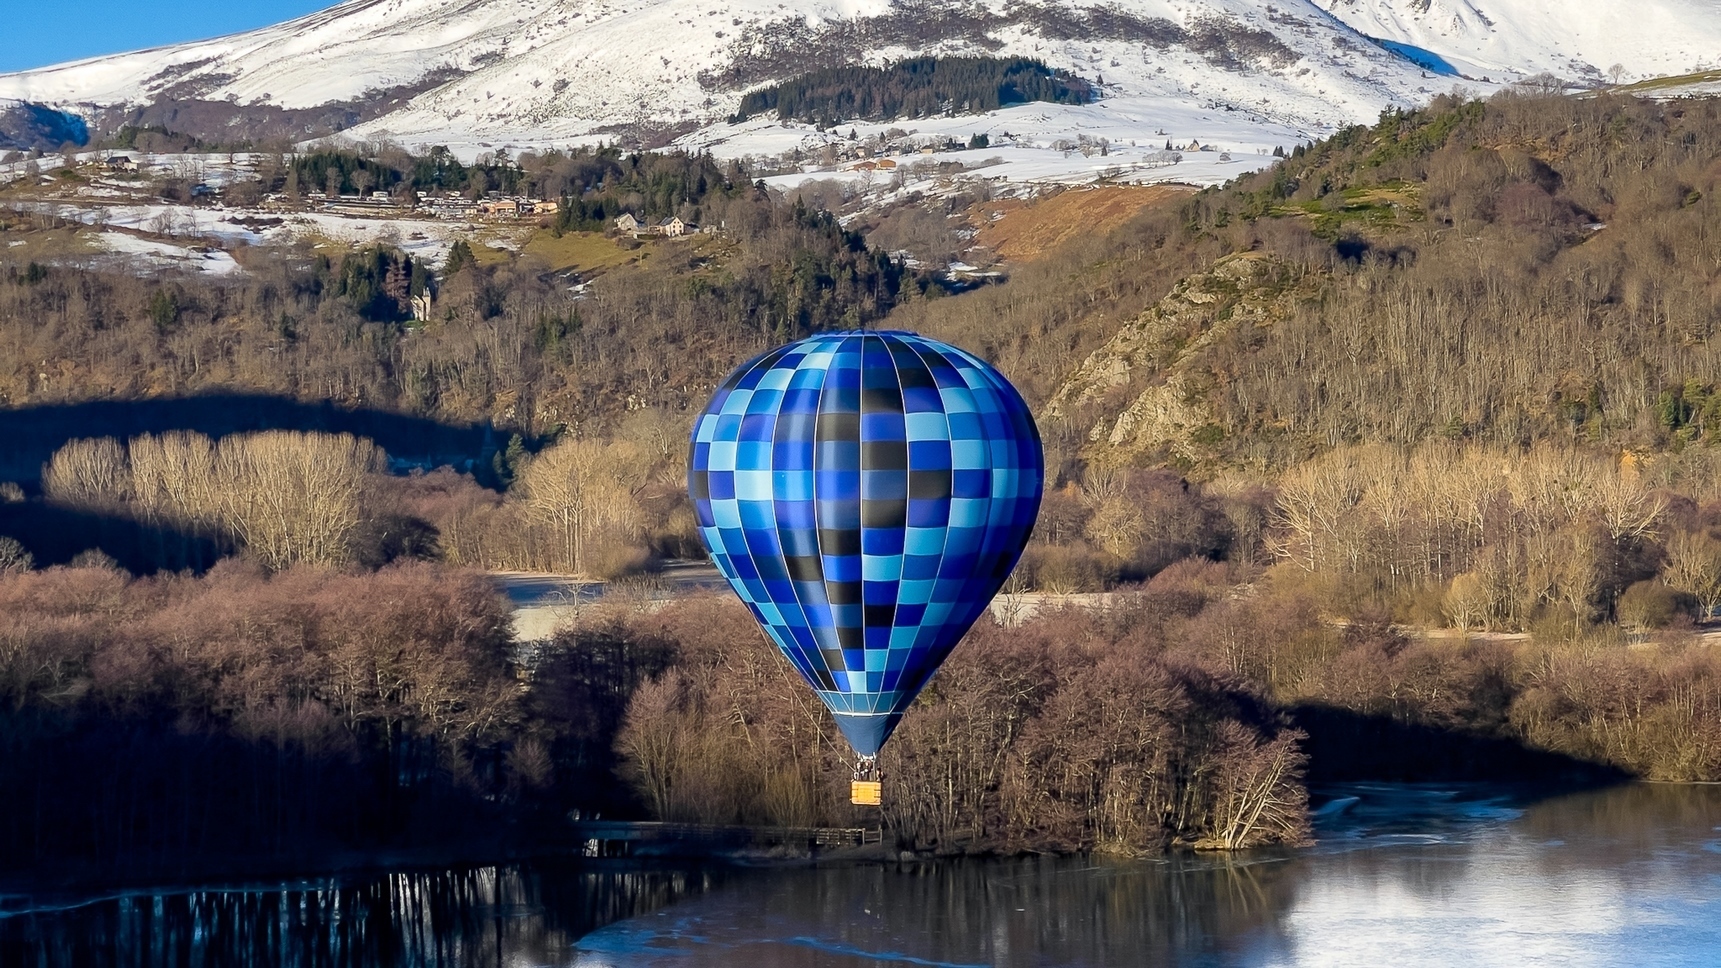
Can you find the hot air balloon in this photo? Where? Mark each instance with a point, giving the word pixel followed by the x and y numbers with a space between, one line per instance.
pixel 866 494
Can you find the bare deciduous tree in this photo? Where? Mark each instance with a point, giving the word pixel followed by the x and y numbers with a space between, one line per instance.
pixel 585 489
pixel 1694 567
pixel 88 473
pixel 287 497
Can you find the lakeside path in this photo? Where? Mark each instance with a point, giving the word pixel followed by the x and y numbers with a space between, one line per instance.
pixel 543 602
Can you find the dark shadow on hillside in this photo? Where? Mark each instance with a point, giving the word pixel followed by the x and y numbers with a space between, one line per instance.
pixel 115 797
pixel 1346 746
pixel 30 435
pixel 1422 57
pixel 56 535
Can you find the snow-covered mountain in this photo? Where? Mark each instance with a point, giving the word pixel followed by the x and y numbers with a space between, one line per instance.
pixel 1248 73
pixel 1573 39
pixel 559 68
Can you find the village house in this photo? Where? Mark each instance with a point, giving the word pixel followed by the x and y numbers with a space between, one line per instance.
pixel 499 207
pixel 629 224
pixel 450 205
pixel 122 163
pixel 675 228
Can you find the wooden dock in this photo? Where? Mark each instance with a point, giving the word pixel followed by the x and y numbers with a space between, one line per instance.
pixel 628 838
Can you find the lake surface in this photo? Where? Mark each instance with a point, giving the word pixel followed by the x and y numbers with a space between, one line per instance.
pixel 1407 876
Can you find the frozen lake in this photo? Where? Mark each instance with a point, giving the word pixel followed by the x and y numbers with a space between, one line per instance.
pixel 1402 875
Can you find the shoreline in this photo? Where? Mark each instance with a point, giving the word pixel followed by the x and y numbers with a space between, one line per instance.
pixel 66 893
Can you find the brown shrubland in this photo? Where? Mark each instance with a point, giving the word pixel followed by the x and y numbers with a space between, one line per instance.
pixel 1061 734
pixel 1498 415
pixel 163 723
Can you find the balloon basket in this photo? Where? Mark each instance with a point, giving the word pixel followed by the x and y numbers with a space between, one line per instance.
pixel 867 790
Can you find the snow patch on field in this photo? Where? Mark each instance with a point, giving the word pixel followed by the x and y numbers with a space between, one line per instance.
pixel 215 262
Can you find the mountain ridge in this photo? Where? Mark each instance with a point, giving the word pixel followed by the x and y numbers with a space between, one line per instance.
pixel 1249 75
pixel 547 70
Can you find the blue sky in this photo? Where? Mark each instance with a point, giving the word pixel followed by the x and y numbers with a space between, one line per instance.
pixel 38 32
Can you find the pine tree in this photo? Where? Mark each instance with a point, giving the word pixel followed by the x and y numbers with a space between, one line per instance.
pixel 459 257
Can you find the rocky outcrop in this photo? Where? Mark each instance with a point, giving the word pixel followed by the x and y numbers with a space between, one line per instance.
pixel 1148 384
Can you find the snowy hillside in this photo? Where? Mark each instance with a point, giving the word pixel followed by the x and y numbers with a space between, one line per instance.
pixel 558 68
pixel 1245 75
pixel 1574 39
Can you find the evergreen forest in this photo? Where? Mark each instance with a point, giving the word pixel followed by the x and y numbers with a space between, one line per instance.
pixel 919 87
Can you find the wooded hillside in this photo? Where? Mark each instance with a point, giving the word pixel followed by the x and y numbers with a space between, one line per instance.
pixel 915 88
pixel 1523 269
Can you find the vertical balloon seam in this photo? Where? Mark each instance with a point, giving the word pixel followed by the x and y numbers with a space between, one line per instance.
pixel 969 609
pixel 902 412
pixel 781 632
pixel 861 493
pixel 931 630
pixel 818 557
pixel 764 360
pixel 903 346
pixel 1031 458
pixel 995 537
pixel 861 702
pixel 826 384
pixel 714 537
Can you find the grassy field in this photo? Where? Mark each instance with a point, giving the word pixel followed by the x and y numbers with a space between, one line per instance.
pixel 25 243
pixel 1018 231
pixel 1378 205
pixel 1664 86
pixel 583 251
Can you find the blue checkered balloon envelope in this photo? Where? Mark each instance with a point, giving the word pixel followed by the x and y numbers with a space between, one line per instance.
pixel 866 494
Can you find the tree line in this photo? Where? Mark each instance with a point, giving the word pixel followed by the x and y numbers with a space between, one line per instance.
pixel 1184 711
pixel 284 497
pixel 167 723
pixel 596 507
pixel 243 721
pixel 1039 737
pixel 916 87
pixel 504 343
pixel 590 180
pixel 1189 711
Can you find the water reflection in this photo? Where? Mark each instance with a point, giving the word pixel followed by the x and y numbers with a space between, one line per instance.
pixel 1003 912
pixel 527 914
pixel 1402 876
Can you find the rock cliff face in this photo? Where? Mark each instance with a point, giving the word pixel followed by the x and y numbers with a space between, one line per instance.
pixel 1147 387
